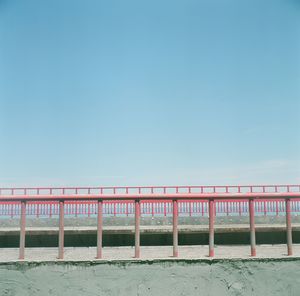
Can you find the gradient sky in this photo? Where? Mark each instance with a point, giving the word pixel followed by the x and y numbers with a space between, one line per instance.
pixel 149 92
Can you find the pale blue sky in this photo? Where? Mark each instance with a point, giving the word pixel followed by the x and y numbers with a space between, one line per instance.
pixel 149 92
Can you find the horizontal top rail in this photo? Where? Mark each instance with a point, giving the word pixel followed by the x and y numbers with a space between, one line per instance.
pixel 127 190
pixel 141 197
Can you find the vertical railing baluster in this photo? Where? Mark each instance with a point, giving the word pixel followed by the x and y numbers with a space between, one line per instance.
pixel 289 227
pixel 175 228
pixel 99 230
pixel 252 227
pixel 211 227
pixel 22 230
pixel 137 228
pixel 61 230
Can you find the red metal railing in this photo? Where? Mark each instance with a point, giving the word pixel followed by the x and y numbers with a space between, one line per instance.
pixel 216 194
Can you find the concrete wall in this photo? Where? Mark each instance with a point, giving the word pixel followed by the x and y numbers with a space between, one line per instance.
pixel 148 239
pixel 205 277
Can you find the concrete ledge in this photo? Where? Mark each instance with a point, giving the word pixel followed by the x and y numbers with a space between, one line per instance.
pixel 130 262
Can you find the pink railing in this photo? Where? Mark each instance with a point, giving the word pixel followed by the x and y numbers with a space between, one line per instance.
pixel 211 199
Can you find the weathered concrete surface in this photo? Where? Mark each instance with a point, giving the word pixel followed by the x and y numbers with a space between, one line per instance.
pixel 266 277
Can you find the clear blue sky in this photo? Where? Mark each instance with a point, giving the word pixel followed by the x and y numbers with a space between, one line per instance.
pixel 149 92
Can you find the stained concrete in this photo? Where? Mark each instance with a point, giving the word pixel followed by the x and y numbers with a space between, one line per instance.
pixel 150 235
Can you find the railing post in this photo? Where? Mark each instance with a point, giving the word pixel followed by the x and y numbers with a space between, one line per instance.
pixel 22 230
pixel 137 228
pixel 175 228
pixel 61 230
pixel 252 227
pixel 99 230
pixel 288 227
pixel 211 227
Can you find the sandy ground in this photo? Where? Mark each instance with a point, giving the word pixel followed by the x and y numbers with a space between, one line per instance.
pixel 147 253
